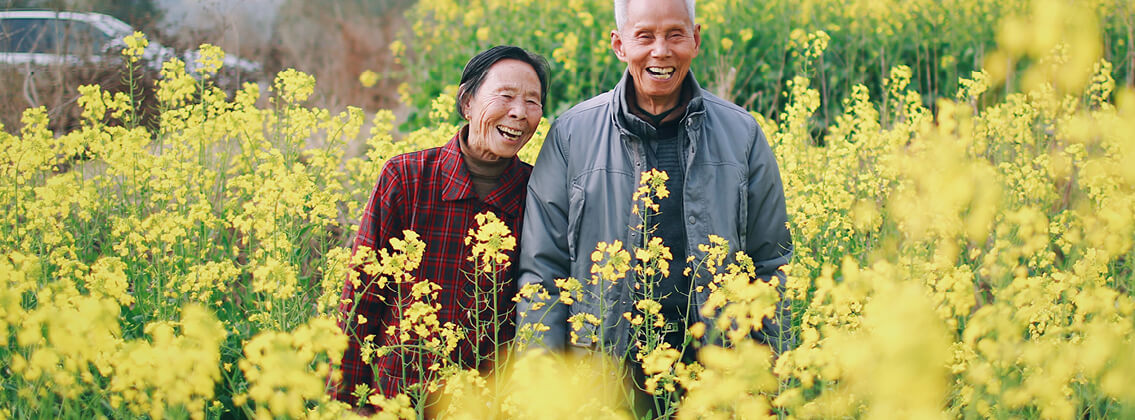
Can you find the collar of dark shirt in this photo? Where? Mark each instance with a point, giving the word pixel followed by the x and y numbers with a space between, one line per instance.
pixel 486 174
pixel 481 169
pixel 639 122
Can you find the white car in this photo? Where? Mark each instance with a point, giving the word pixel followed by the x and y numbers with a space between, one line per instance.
pixel 47 38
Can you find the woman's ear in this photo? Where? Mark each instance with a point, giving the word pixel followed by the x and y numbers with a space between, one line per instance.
pixel 463 103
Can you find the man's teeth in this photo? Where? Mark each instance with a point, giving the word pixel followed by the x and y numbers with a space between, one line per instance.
pixel 662 72
pixel 508 131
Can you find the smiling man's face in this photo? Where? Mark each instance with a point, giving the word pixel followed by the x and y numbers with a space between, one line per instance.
pixel 658 42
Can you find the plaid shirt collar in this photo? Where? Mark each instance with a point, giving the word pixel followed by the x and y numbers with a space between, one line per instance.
pixel 458 183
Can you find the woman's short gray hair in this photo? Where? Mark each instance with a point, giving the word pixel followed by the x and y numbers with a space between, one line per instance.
pixel 621 12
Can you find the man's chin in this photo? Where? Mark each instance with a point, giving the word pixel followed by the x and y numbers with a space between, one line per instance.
pixel 658 88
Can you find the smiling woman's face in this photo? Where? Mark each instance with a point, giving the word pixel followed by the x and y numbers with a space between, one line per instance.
pixel 505 110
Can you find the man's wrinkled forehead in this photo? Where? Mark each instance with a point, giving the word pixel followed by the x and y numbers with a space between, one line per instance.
pixel 686 19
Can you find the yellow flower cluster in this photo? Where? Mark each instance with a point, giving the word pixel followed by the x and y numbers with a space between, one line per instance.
pixel 652 186
pixel 811 45
pixel 490 241
pixel 658 364
pixel 293 86
pixel 176 86
pixel 96 102
pixel 275 278
pixel 567 53
pixel 209 60
pixel 70 343
pixel 203 282
pixel 546 386
pixel 740 301
pixel 172 369
pixel 136 44
pixel 368 78
pixel 108 279
pixel 655 259
pixel 286 370
pixel 734 383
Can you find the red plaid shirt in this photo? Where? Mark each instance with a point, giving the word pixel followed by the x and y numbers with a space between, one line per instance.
pixel 430 192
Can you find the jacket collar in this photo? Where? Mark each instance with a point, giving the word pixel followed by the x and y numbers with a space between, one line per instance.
pixel 630 123
pixel 457 182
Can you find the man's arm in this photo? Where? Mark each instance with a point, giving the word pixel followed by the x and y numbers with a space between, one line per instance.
pixel 379 221
pixel 544 251
pixel 768 241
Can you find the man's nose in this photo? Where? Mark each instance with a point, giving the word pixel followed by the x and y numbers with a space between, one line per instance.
pixel 660 48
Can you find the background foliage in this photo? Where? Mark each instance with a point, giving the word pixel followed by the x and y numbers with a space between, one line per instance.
pixel 749 49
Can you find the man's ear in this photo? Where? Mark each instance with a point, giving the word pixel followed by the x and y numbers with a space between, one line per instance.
pixel 697 37
pixel 617 45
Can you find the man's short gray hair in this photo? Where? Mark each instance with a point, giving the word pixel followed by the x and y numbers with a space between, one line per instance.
pixel 621 12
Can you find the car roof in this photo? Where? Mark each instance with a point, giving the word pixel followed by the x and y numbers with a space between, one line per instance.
pixel 105 22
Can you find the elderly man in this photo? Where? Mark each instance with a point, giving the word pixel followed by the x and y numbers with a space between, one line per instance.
pixel 436 193
pixel 723 180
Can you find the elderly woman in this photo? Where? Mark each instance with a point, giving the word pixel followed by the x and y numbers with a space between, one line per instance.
pixel 436 193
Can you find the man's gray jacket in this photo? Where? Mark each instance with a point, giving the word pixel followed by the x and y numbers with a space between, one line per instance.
pixel 580 194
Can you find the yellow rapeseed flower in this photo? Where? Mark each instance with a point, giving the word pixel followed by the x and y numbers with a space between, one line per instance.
pixel 210 58
pixel 136 44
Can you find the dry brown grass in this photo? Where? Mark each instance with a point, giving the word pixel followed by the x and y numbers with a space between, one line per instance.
pixel 334 41
pixel 56 89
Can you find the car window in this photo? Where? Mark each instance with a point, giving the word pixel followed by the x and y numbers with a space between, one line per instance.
pixel 82 38
pixel 28 35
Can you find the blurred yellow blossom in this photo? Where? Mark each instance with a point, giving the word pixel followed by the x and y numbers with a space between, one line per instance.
pixel 368 78
pixel 210 58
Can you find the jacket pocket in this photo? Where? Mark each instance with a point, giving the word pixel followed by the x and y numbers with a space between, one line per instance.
pixel 575 218
pixel 742 215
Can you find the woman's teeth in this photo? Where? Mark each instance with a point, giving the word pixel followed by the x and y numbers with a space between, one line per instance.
pixel 509 132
